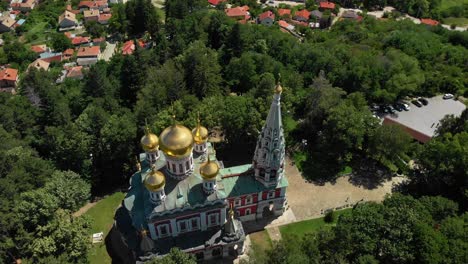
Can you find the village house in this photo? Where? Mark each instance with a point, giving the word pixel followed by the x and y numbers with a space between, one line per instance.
pixel 39 64
pixel 75 73
pixel 7 24
pixel 241 13
pixel 88 55
pixel 8 80
pixel 285 25
pixel 129 47
pixel 91 15
pixel 284 13
pixel 302 15
pixel 68 54
pixel 38 49
pixel 79 40
pixel 92 5
pixel 316 15
pixel 67 21
pixel 216 2
pixel 104 19
pixel 327 6
pixel 349 14
pixel 266 18
pixel 23 5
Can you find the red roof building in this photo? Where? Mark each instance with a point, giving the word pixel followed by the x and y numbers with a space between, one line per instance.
pixel 327 5
pixel 429 22
pixel 93 51
pixel 8 79
pixel 267 14
pixel 79 40
pixel 129 47
pixel 38 48
pixel 302 15
pixel 75 72
pixel 216 2
pixel 284 12
pixel 104 18
pixel 240 13
pixel 68 53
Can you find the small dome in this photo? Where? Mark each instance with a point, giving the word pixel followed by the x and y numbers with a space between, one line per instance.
pixel 149 142
pixel 176 141
pixel 155 181
pixel 209 169
pixel 278 88
pixel 200 134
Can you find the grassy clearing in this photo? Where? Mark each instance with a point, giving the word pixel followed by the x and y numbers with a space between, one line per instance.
pixel 459 21
pixel 102 215
pixel 449 3
pixel 310 226
pixel 37 34
pixel 261 242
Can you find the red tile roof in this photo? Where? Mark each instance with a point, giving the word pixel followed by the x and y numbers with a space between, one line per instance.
pixel 216 2
pixel 303 13
pixel 236 12
pixel 104 17
pixel 284 12
pixel 68 35
pixel 69 52
pixel 93 51
pixel 267 14
pixel 80 40
pixel 327 5
pixel 75 72
pixel 9 74
pixel 430 22
pixel 283 24
pixel 129 47
pixel 38 48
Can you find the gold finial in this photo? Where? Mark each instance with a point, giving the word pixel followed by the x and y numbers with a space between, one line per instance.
pixel 278 87
pixel 173 120
pixel 231 211
pixel 143 232
pixel 147 129
pixel 138 164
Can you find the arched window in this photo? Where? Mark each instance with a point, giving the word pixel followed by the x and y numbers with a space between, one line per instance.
pixel 180 168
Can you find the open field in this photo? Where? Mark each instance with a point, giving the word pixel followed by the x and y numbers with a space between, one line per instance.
pixel 449 3
pixel 459 21
pixel 102 215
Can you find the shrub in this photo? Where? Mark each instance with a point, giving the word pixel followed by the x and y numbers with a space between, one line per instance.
pixel 329 217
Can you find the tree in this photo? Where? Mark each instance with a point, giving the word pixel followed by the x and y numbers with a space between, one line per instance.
pixel 95 29
pixel 175 256
pixel 59 42
pixel 452 124
pixel 389 143
pixel 70 190
pixel 37 207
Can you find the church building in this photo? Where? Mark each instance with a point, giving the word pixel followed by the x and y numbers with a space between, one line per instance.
pixel 183 197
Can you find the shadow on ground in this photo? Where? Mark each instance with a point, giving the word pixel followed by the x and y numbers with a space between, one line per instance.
pixel 369 174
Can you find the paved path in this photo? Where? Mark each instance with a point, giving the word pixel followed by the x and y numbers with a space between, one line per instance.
pixel 274 233
pixel 109 51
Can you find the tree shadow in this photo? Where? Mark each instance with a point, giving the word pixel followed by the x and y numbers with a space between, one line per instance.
pixel 320 168
pixel 369 174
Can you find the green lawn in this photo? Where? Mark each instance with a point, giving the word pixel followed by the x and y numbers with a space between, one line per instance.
pixel 102 215
pixel 449 3
pixel 37 34
pixel 310 226
pixel 261 242
pixel 459 21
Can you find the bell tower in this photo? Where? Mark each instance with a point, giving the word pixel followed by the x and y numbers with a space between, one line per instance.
pixel 268 160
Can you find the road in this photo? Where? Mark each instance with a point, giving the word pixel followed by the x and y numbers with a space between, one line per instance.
pixel 109 51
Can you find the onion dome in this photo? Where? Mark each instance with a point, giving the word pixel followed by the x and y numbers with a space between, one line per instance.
pixel 155 181
pixel 278 88
pixel 209 169
pixel 176 141
pixel 149 142
pixel 200 133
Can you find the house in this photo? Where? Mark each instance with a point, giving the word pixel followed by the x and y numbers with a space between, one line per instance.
pixel 284 12
pixel 39 64
pixel 429 22
pixel 91 15
pixel 79 40
pixel 92 5
pixel 7 24
pixel 302 15
pixel 216 2
pixel 75 73
pixel 327 6
pixel 67 21
pixel 97 41
pixel 129 47
pixel 285 25
pixel 266 18
pixel 38 49
pixel 23 5
pixel 351 15
pixel 88 55
pixel 67 54
pixel 8 80
pixel 316 15
pixel 104 19
pixel 51 56
pixel 240 13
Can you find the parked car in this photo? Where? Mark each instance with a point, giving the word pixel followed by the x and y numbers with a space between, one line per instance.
pixel 406 106
pixel 423 101
pixel 416 103
pixel 390 109
pixel 448 96
pixel 398 107
pixel 374 107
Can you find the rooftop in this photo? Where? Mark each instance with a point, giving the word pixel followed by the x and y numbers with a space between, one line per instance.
pixel 9 74
pixel 422 122
pixel 88 51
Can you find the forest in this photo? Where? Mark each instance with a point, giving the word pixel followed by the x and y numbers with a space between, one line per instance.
pixel 65 143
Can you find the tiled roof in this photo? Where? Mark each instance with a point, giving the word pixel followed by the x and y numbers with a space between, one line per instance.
pixel 91 13
pixel 38 48
pixel 80 40
pixel 267 14
pixel 216 2
pixel 284 12
pixel 303 13
pixel 236 12
pixel 75 72
pixel 93 51
pixel 40 64
pixel 9 74
pixel 327 5
pixel 104 17
pixel 67 15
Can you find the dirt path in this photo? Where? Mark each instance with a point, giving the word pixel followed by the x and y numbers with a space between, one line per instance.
pixel 84 209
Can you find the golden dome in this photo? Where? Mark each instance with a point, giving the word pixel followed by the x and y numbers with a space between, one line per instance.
pixel 200 133
pixel 149 142
pixel 278 88
pixel 176 141
pixel 209 169
pixel 155 181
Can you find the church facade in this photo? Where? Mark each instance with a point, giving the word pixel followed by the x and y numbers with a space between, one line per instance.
pixel 183 197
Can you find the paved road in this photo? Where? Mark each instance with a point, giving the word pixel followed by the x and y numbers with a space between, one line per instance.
pixel 109 51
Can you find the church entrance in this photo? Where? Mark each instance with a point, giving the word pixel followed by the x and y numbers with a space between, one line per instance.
pixel 268 211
